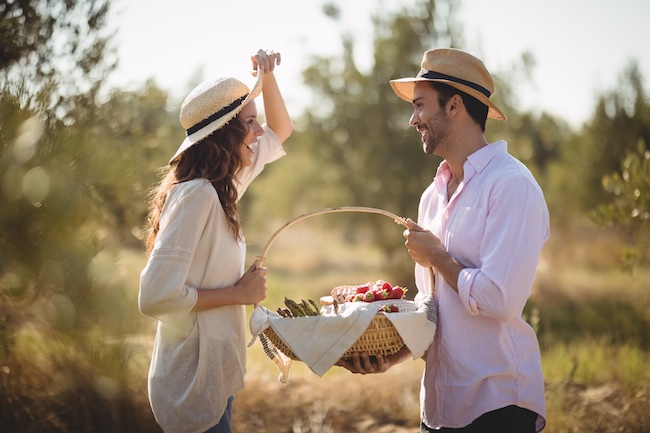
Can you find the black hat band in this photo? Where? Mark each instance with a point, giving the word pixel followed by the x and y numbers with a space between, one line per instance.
pixel 432 75
pixel 225 110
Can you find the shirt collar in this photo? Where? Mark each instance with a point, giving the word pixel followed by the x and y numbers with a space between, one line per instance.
pixel 443 170
pixel 476 162
pixel 482 157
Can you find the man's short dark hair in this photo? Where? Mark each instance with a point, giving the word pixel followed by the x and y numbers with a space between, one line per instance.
pixel 476 109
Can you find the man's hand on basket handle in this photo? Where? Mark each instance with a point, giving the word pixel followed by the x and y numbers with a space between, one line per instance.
pixel 427 251
pixel 421 244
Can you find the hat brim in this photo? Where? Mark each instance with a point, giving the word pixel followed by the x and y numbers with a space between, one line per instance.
pixel 404 87
pixel 218 123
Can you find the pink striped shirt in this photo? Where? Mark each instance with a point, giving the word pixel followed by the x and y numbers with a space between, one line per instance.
pixel 484 356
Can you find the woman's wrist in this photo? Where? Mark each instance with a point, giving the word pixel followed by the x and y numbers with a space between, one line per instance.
pixel 208 299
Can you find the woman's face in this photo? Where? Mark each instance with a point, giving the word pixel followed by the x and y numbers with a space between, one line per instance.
pixel 248 117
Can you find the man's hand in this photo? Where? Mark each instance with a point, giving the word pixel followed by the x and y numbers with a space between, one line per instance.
pixel 361 363
pixel 422 245
pixel 426 250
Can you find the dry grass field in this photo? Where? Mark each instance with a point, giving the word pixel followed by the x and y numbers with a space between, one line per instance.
pixel 593 321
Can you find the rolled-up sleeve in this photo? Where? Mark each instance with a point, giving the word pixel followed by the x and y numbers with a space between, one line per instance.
pixel 516 229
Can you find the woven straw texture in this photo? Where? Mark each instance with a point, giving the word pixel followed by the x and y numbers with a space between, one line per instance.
pixel 380 338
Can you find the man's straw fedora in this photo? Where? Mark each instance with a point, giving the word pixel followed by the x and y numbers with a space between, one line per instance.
pixel 457 69
pixel 211 105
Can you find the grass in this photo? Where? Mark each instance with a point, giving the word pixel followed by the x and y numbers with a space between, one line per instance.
pixel 593 363
pixel 593 322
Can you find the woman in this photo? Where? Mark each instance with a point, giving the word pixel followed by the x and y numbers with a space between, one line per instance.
pixel 194 283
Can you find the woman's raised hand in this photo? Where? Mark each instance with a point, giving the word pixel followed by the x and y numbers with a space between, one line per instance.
pixel 264 61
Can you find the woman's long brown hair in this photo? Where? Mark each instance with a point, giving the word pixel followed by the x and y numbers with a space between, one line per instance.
pixel 217 158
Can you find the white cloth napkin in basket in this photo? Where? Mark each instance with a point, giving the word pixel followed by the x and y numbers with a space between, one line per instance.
pixel 320 341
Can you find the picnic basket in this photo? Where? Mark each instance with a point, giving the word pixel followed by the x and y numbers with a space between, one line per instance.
pixel 381 337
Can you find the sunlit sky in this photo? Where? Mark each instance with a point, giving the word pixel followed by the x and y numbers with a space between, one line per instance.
pixel 581 47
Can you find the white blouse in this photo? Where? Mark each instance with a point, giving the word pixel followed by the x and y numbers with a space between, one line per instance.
pixel 199 359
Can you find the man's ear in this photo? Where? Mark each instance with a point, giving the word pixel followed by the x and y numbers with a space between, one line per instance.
pixel 454 104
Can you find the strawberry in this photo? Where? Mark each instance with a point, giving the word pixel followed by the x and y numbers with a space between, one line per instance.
pixel 387 287
pixel 357 298
pixel 362 289
pixel 368 296
pixel 392 308
pixel 398 292
pixel 379 294
pixel 352 297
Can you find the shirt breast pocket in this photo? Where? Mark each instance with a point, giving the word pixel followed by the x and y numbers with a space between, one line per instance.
pixel 465 234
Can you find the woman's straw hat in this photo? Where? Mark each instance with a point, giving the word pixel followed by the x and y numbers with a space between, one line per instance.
pixel 211 105
pixel 457 69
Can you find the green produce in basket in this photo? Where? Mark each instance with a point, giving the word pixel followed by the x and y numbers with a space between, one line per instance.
pixel 295 309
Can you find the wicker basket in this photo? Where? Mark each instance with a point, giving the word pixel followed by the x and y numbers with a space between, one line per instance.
pixel 381 337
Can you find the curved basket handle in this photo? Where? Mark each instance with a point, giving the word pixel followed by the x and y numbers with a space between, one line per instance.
pixel 398 219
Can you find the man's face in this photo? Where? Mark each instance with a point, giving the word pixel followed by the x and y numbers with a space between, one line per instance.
pixel 429 119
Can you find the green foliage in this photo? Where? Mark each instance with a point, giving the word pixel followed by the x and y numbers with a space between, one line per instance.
pixel 535 138
pixel 616 322
pixel 127 139
pixel 629 208
pixel 612 155
pixel 621 121
pixel 54 54
pixel 621 124
pixel 49 215
pixel 71 191
pixel 593 362
pixel 71 197
pixel 73 185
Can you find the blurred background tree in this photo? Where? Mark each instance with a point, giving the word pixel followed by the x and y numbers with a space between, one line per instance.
pixel 621 120
pixel 52 63
pixel 55 54
pixel 629 208
pixel 600 174
pixel 621 134
pixel 74 170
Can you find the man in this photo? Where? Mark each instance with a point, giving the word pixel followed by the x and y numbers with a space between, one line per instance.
pixel 481 227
